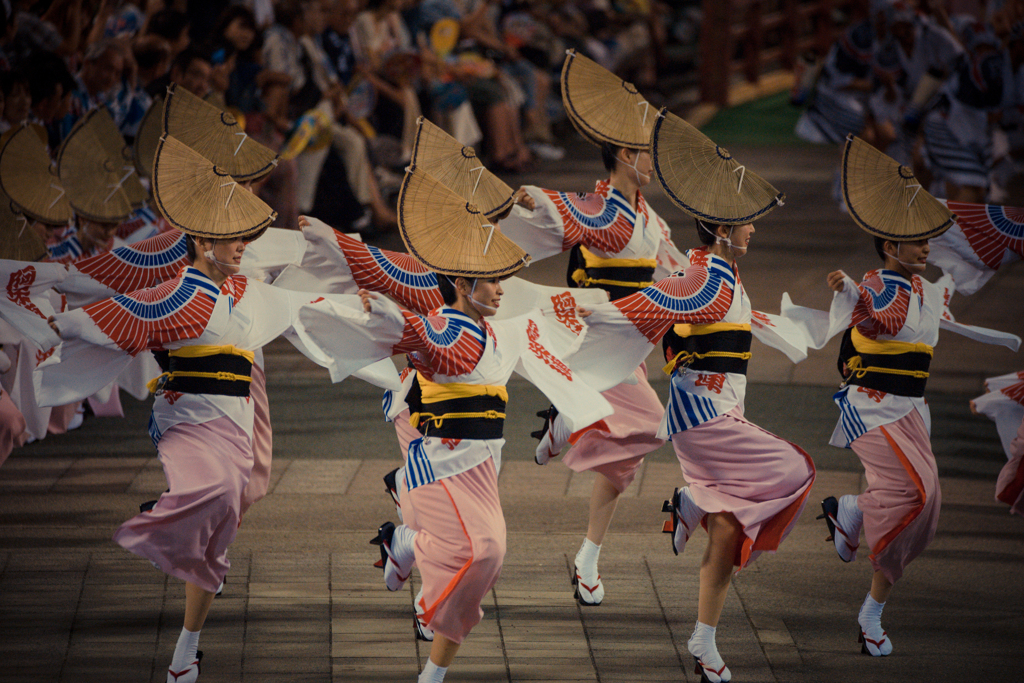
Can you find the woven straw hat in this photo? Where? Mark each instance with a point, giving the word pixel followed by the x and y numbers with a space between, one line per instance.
pixel 18 242
pixel 703 179
pixel 216 135
pixel 459 169
pixel 602 106
pixel 150 129
pixel 202 200
pixel 95 167
pixel 886 200
pixel 30 180
pixel 451 236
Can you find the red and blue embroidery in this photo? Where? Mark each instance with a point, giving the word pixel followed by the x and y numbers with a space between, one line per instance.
pixel 991 230
pixel 698 295
pixel 150 318
pixel 603 220
pixel 398 275
pixel 884 301
pixel 449 343
pixel 143 264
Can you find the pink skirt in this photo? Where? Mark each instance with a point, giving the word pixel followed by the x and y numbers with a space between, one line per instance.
pixel 902 500
pixel 460 546
pixel 405 432
pixel 734 466
pixel 109 408
pixel 615 446
pixel 188 532
pixel 1010 483
pixel 262 441
pixel 12 426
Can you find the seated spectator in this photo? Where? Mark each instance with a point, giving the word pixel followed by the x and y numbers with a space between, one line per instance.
pixel 191 69
pixel 58 30
pixel 107 77
pixel 172 26
pixel 17 98
pixel 51 85
pixel 152 55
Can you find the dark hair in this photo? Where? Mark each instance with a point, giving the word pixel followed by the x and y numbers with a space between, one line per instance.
pixel 190 248
pixel 45 71
pixel 609 155
pixel 168 23
pixel 446 285
pixel 248 18
pixel 185 58
pixel 287 12
pixel 707 234
pixel 8 79
pixel 150 50
pixel 880 247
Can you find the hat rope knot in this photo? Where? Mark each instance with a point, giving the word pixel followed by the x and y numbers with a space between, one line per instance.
pixel 231 194
pixel 128 170
pixel 60 193
pixel 244 136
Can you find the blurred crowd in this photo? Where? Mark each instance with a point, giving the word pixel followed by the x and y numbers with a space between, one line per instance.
pixel 335 85
pixel 941 92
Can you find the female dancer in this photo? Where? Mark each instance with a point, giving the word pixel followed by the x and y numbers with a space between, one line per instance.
pixel 891 320
pixel 211 320
pixel 747 486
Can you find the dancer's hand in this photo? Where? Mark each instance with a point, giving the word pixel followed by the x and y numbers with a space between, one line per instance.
pixel 304 222
pixel 367 297
pixel 522 198
pixel 835 280
pixel 52 322
pixel 582 312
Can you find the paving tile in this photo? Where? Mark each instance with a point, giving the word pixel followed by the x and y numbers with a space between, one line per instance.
pixel 527 479
pixel 317 476
pixel 110 475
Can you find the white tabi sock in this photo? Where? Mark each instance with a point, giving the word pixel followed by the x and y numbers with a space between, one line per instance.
pixel 402 548
pixel 586 558
pixel 702 646
pixel 185 650
pixel 432 673
pixel 870 612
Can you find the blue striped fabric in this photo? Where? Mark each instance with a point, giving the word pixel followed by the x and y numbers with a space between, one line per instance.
pixel 832 118
pixel 969 164
pixel 417 466
pixel 686 410
pixel 853 426
pixel 154 430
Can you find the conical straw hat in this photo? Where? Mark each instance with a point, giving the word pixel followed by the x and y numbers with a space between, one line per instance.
pixel 95 167
pixel 459 169
pixel 150 129
pixel 198 198
pixel 886 200
pixel 703 179
pixel 216 135
pixel 18 242
pixel 451 236
pixel 602 106
pixel 30 180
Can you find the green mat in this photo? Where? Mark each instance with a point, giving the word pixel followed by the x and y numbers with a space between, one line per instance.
pixel 765 122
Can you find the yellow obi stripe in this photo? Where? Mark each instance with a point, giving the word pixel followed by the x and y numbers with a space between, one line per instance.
pixel 202 350
pixel 591 260
pixel 688 330
pixel 433 392
pixel 888 348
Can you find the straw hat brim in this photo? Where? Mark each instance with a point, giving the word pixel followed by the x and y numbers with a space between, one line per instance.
pixel 27 177
pixel 18 242
pixel 449 235
pixel 703 179
pixel 603 107
pixel 458 168
pixel 216 135
pixel 148 137
pixel 886 200
pixel 202 200
pixel 95 168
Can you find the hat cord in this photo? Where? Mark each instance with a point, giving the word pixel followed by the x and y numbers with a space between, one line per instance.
pixel 489 236
pixel 231 194
pixel 128 171
pixel 719 239
pixel 244 136
pixel 478 177
pixel 24 224
pixel 60 194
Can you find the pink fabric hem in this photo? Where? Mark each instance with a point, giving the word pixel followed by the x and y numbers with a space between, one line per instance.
pixel 262 441
pixel 188 532
pixel 460 546
pixel 618 451
pixel 733 465
pixel 1010 483
pixel 901 503
pixel 12 427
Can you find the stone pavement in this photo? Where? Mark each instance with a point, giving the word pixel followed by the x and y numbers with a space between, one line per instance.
pixel 303 602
